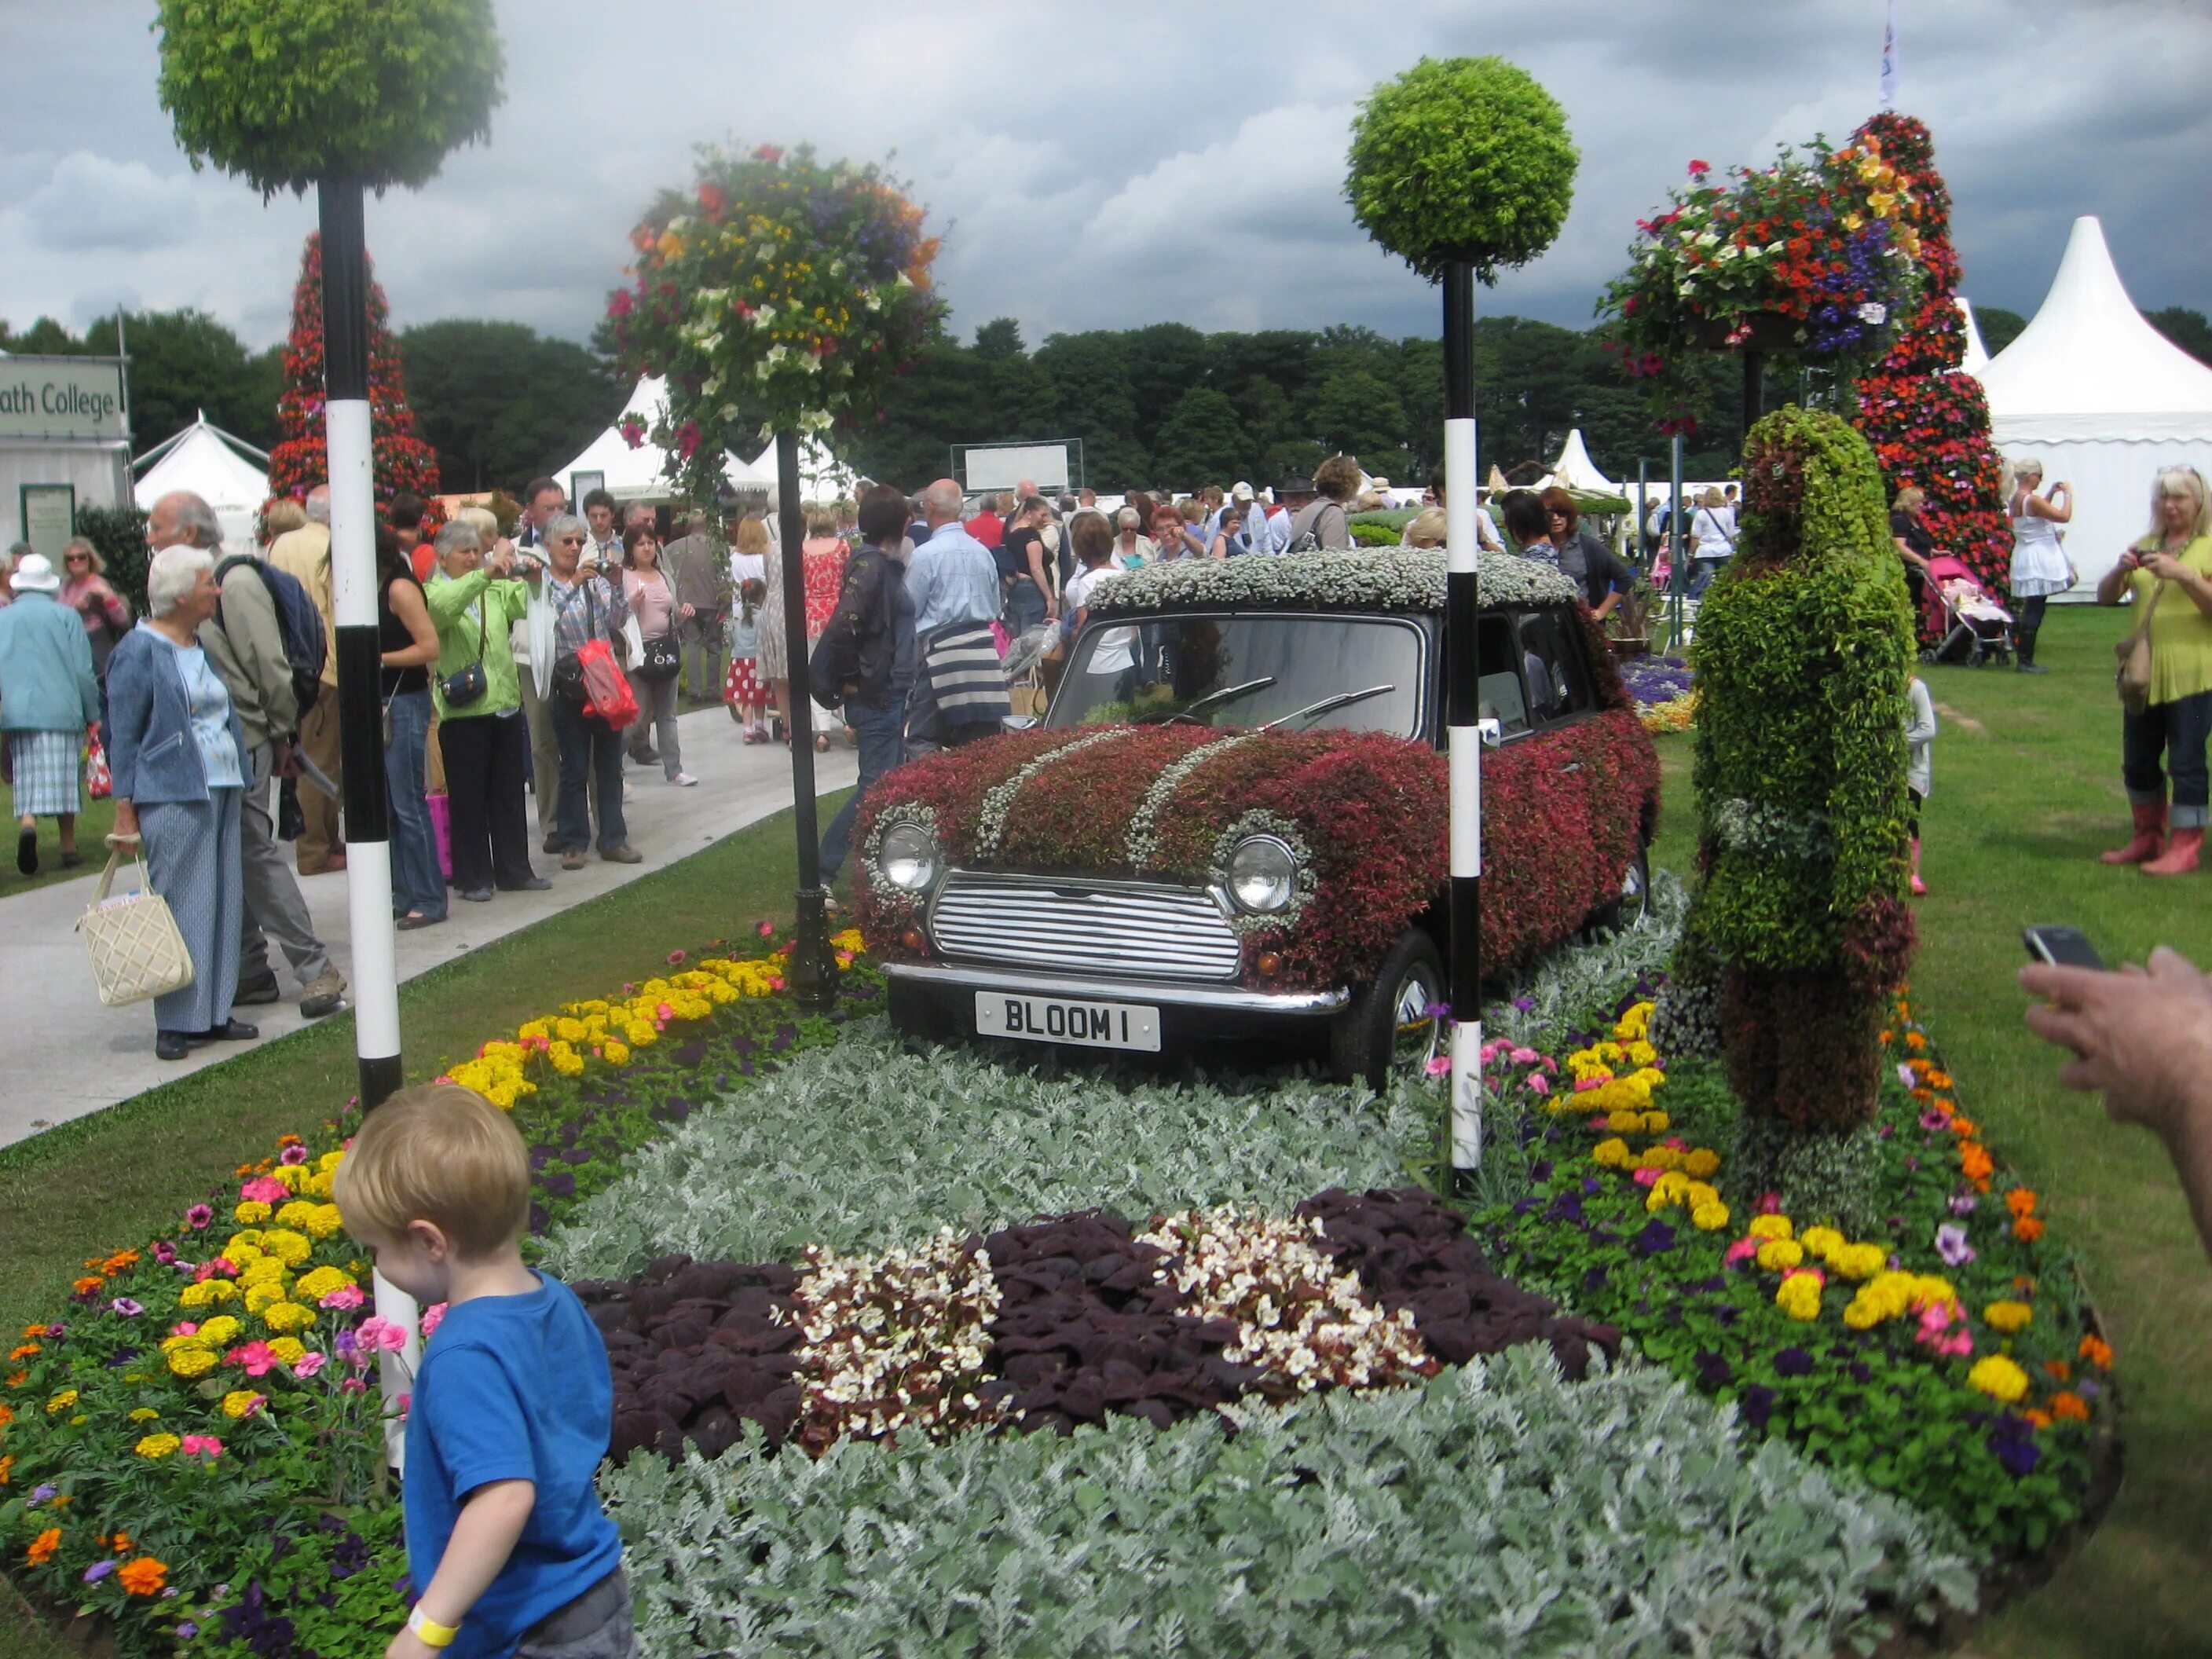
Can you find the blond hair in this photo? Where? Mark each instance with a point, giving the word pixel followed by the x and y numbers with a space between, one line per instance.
pixel 2188 478
pixel 752 535
pixel 482 520
pixel 1427 529
pixel 1712 497
pixel 1338 477
pixel 821 521
pixel 280 517
pixel 1911 499
pixel 442 1154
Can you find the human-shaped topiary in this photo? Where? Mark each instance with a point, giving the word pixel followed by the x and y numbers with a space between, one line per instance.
pixel 1802 654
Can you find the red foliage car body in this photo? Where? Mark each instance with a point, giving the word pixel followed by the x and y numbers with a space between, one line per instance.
pixel 1130 871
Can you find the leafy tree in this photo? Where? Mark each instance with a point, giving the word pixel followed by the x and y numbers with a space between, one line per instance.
pixel 1095 400
pixel 2000 327
pixel 1165 361
pixel 44 339
pixel 1000 337
pixel 945 400
pixel 2186 328
pixel 183 362
pixel 500 402
pixel 1202 442
pixel 1356 412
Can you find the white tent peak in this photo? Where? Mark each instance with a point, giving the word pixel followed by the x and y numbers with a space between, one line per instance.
pixel 1978 354
pixel 637 474
pixel 2090 353
pixel 1574 470
pixel 207 461
pixel 822 477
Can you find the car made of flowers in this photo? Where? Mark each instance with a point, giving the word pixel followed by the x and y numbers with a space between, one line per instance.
pixel 1234 819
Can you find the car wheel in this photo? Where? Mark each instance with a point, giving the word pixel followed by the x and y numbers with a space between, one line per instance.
pixel 914 1013
pixel 1635 900
pixel 1388 1024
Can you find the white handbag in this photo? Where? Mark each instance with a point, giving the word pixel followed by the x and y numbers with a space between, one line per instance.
pixel 138 952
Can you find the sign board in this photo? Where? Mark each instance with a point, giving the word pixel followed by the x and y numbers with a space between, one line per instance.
pixel 581 484
pixel 61 398
pixel 49 517
pixel 1001 467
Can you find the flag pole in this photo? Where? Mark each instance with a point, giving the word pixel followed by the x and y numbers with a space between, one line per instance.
pixel 1463 713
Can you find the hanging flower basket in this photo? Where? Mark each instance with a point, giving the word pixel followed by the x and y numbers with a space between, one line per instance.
pixel 1771 331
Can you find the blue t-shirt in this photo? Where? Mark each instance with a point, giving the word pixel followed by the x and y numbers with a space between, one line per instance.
pixel 514 1388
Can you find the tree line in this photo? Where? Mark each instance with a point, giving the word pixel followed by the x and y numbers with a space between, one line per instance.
pixel 1165 404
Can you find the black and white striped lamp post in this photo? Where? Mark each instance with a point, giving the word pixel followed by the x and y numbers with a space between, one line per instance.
pixel 811 971
pixel 351 461
pixel 1463 721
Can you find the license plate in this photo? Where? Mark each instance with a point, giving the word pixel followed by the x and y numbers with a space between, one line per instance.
pixel 1067 1019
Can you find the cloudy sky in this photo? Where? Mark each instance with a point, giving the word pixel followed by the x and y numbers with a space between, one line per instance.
pixel 1108 165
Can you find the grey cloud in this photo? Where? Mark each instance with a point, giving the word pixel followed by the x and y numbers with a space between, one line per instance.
pixel 91 201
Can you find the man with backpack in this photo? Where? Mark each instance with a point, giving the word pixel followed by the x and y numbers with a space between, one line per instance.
pixel 304 554
pixel 262 657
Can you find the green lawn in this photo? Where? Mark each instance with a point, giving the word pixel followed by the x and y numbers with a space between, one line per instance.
pixel 2026 792
pixel 92 827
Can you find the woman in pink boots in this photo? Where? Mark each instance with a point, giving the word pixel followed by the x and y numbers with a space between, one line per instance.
pixel 2172 565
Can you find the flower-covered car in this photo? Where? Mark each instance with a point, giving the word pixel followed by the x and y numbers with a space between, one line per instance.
pixel 1234 820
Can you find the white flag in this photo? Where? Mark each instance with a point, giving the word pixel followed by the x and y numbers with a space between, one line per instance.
pixel 1889 65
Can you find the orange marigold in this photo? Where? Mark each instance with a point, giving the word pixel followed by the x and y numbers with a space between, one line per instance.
pixel 2097 1351
pixel 7 1463
pixel 1975 1160
pixel 118 1262
pixel 2027 1229
pixel 24 1351
pixel 1962 1126
pixel 121 1543
pixel 2069 1405
pixel 43 1546
pixel 86 1286
pixel 1914 1039
pixel 1938 1079
pixel 16 1379
pixel 2040 1419
pixel 2020 1201
pixel 144 1576
pixel 1888 1038
pixel 7 1415
pixel 2059 1370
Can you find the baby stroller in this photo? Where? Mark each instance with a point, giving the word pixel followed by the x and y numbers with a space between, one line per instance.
pixel 1973 629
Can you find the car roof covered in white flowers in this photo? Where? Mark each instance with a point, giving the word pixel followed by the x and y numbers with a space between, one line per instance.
pixel 1404 579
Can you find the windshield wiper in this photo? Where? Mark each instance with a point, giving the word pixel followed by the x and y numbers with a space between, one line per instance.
pixel 1212 698
pixel 1342 699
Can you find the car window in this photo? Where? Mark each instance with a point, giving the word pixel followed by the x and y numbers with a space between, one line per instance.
pixel 1557 686
pixel 1498 694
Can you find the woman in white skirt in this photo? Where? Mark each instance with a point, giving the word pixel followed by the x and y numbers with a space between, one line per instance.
pixel 48 700
pixel 2039 565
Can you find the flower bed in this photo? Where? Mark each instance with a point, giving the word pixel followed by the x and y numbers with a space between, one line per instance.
pixel 1665 700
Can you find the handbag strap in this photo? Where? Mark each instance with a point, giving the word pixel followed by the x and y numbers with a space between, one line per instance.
pixel 107 879
pixel 2157 592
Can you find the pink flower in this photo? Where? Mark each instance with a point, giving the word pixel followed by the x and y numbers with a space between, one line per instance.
pixel 309 1364
pixel 1584 1084
pixel 664 1012
pixel 765 929
pixel 770 153
pixel 1523 1056
pixel 265 1189
pixel 353 1385
pixel 1439 1065
pixel 687 439
pixel 378 1332
pixel 1699 169
pixel 1742 1250
pixel 346 1296
pixel 406 1400
pixel 255 1357
pixel 1677 1143
pixel 633 432
pixel 676 958
pixel 1536 1083
pixel 1647 1178
pixel 293 1155
pixel 198 1217
pixel 620 305
pixel 184 1328
pixel 433 1317
pixel 1769 1204
pixel 1599 1122
pixel 202 1445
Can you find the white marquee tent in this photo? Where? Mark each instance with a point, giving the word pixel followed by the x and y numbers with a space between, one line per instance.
pixel 2102 398
pixel 1574 470
pixel 1978 354
pixel 635 475
pixel 211 464
pixel 822 477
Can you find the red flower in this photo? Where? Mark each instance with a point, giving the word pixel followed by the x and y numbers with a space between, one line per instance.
pixel 620 305
pixel 687 439
pixel 770 153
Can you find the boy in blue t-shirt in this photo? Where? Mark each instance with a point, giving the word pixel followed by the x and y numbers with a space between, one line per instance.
pixel 513 1403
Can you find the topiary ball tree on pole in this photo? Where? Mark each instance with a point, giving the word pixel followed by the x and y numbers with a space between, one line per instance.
pixel 340 97
pixel 343 96
pixel 1462 168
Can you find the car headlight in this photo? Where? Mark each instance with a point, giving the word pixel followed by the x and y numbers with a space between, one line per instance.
pixel 1263 875
pixel 908 858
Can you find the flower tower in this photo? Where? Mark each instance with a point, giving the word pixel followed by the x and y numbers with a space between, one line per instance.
pixel 1803 652
pixel 300 460
pixel 1926 416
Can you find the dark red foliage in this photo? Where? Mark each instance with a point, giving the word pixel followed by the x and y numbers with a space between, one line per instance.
pixel 1411 1250
pixel 1809 1042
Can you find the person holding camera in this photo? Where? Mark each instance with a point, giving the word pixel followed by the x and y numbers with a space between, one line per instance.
pixel 408 641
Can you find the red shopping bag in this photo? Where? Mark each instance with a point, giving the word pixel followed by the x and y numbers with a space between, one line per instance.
pixel 97 783
pixel 607 695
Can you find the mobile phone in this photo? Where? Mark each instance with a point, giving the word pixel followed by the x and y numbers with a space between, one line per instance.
pixel 2062 947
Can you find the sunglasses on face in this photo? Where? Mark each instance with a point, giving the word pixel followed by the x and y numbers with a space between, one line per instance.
pixel 77 558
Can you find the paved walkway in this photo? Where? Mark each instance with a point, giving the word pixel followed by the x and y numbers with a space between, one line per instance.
pixel 65 1054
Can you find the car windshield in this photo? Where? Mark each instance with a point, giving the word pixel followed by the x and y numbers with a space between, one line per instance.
pixel 1349 673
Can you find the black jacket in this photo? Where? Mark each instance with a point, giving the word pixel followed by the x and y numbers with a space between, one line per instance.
pixel 860 652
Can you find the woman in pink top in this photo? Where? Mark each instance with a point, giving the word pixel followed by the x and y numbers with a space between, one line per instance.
pixel 653 602
pixel 84 589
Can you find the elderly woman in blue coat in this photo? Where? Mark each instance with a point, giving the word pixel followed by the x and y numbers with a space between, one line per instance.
pixel 178 757
pixel 49 700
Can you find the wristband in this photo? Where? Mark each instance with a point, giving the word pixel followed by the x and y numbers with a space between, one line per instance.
pixel 433 1633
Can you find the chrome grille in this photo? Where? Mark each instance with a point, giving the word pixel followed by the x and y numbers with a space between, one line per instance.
pixel 1083 926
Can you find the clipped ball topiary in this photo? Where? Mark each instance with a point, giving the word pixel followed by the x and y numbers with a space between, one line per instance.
pixel 287 92
pixel 1461 158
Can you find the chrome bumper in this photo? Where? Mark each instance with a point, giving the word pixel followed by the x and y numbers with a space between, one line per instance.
pixel 1220 999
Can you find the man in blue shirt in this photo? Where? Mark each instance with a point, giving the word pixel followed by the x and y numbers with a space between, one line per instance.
pixel 953 583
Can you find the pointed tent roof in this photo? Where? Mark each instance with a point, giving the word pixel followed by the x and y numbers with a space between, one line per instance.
pixel 634 475
pixel 1574 470
pixel 1978 354
pixel 206 460
pixel 2089 365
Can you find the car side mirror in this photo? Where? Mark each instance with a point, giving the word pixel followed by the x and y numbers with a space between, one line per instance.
pixel 1019 722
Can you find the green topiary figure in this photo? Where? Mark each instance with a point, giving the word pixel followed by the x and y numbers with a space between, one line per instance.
pixel 1803 655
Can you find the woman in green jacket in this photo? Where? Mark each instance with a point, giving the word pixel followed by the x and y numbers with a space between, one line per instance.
pixel 475 604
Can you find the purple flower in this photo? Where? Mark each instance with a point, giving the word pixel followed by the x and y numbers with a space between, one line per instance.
pixel 186 1631
pixel 1757 1404
pixel 1657 1238
pixel 1951 1244
pixel 1526 1005
pixel 1793 1362
pixel 2014 1442
pixel 1963 1203
pixel 126 1307
pixel 2088 1388
pixel 38 1494
pixel 1713 1371
pixel 1931 1119
pixel 97 1571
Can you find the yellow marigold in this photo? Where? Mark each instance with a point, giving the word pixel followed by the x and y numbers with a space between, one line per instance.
pixel 642 1036
pixel 289 1349
pixel 319 1282
pixel 157 1445
pixel 144 1414
pixel 260 1298
pixel 62 1402
pixel 615 1054
pixel 287 1316
pixel 1634 1022
pixel 294 1215
pixel 318 1185
pixel 569 1031
pixel 244 1248
pixel 191 1361
pixel 252 1210
pixel 1656 1123
pixel 329 1162
pixel 171 1344
pixel 289 1175
pixel 1700 1192
pixel 1780 1254
pixel 199 1295
pixel 1703 1163
pixel 1624 1122
pixel 1819 1242
pixel 239 1401
pixel 1659 1158
pixel 1998 1377
pixel 2008 1315
pixel 1930 1290
pixel 535 1030
pixel 1799 1297
pixel 1769 1227
pixel 266 1270
pixel 1857 1261
pixel 566 1061
pixel 1612 1154
pixel 223 1328
pixel 1709 1217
